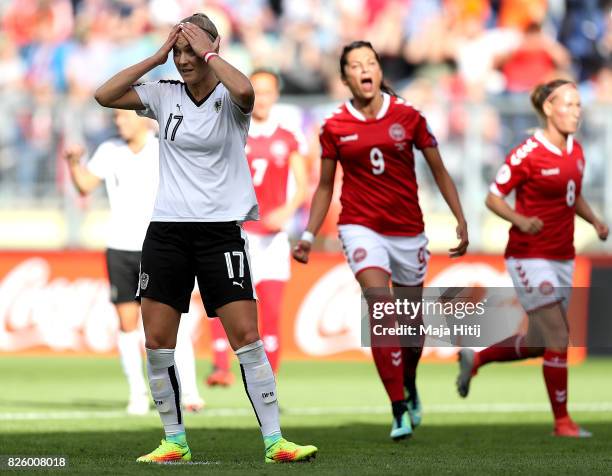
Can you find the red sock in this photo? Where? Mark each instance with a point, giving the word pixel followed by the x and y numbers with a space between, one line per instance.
pixel 555 376
pixel 390 366
pixel 504 351
pixel 220 345
pixel 270 295
pixel 387 355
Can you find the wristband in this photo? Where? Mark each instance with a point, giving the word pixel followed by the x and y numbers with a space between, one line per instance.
pixel 209 54
pixel 307 236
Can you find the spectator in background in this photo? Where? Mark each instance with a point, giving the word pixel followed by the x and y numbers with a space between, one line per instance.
pixel 424 29
pixel 535 60
pixel 23 20
pixel 519 14
pixel 12 73
pixel 12 67
pixel 36 121
pixel 582 31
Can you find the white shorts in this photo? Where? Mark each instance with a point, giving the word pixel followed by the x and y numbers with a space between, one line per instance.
pixel 270 257
pixel 404 258
pixel 541 282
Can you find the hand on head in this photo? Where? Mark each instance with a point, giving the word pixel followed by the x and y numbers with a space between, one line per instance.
pixel 200 41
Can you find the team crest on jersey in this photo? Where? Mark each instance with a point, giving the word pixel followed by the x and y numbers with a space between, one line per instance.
pixel 279 150
pixel 359 255
pixel 397 132
pixel 503 174
pixel 546 288
pixel 218 106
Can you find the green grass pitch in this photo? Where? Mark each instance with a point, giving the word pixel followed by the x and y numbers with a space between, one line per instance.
pixel 74 407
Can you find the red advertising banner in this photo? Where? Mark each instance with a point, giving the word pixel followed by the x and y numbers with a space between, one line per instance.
pixel 59 302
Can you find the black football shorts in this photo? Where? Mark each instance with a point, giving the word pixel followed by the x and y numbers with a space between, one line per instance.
pixel 122 267
pixel 175 253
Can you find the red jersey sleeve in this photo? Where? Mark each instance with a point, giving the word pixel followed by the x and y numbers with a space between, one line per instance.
pixel 423 137
pixel 329 150
pixel 510 175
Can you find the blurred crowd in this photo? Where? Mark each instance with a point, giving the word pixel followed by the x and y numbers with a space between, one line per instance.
pixel 455 59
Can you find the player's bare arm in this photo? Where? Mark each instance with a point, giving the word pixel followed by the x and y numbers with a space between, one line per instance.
pixel 277 219
pixel 118 92
pixel 584 211
pixel 499 206
pixel 238 85
pixel 318 210
pixel 449 192
pixel 84 181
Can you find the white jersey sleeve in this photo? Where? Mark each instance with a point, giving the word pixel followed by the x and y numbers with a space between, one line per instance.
pixel 101 162
pixel 243 119
pixel 150 94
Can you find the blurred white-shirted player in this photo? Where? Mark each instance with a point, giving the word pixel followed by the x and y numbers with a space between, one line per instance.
pixel 276 159
pixel 129 167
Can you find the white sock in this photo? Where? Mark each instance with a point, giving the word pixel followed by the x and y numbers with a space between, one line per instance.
pixel 166 389
pixel 131 361
pixel 260 385
pixel 185 361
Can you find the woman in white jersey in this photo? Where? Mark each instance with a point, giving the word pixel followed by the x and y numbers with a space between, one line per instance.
pixel 205 192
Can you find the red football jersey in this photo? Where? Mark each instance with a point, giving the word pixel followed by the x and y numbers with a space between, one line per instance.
pixel 269 147
pixel 379 188
pixel 547 182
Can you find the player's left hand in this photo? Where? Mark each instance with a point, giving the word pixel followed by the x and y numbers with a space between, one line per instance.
pixel 601 229
pixel 198 39
pixel 462 235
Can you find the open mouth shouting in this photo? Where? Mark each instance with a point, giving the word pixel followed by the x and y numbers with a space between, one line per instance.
pixel 367 85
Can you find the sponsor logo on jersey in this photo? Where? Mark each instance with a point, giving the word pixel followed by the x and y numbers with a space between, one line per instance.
pixel 349 138
pixel 218 103
pixel 546 288
pixel 547 172
pixel 359 255
pixel 144 281
pixel 238 283
pixel 397 132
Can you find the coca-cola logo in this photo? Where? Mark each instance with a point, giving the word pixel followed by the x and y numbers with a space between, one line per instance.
pixel 329 319
pixel 64 314
pixel 58 313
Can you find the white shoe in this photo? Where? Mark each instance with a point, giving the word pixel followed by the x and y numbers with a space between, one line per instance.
pixel 466 371
pixel 138 405
pixel 193 404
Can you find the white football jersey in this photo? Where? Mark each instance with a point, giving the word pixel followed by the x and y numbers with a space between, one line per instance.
pixel 204 175
pixel 131 183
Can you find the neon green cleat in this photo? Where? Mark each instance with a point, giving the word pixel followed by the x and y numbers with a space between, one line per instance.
pixel 167 452
pixel 284 451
